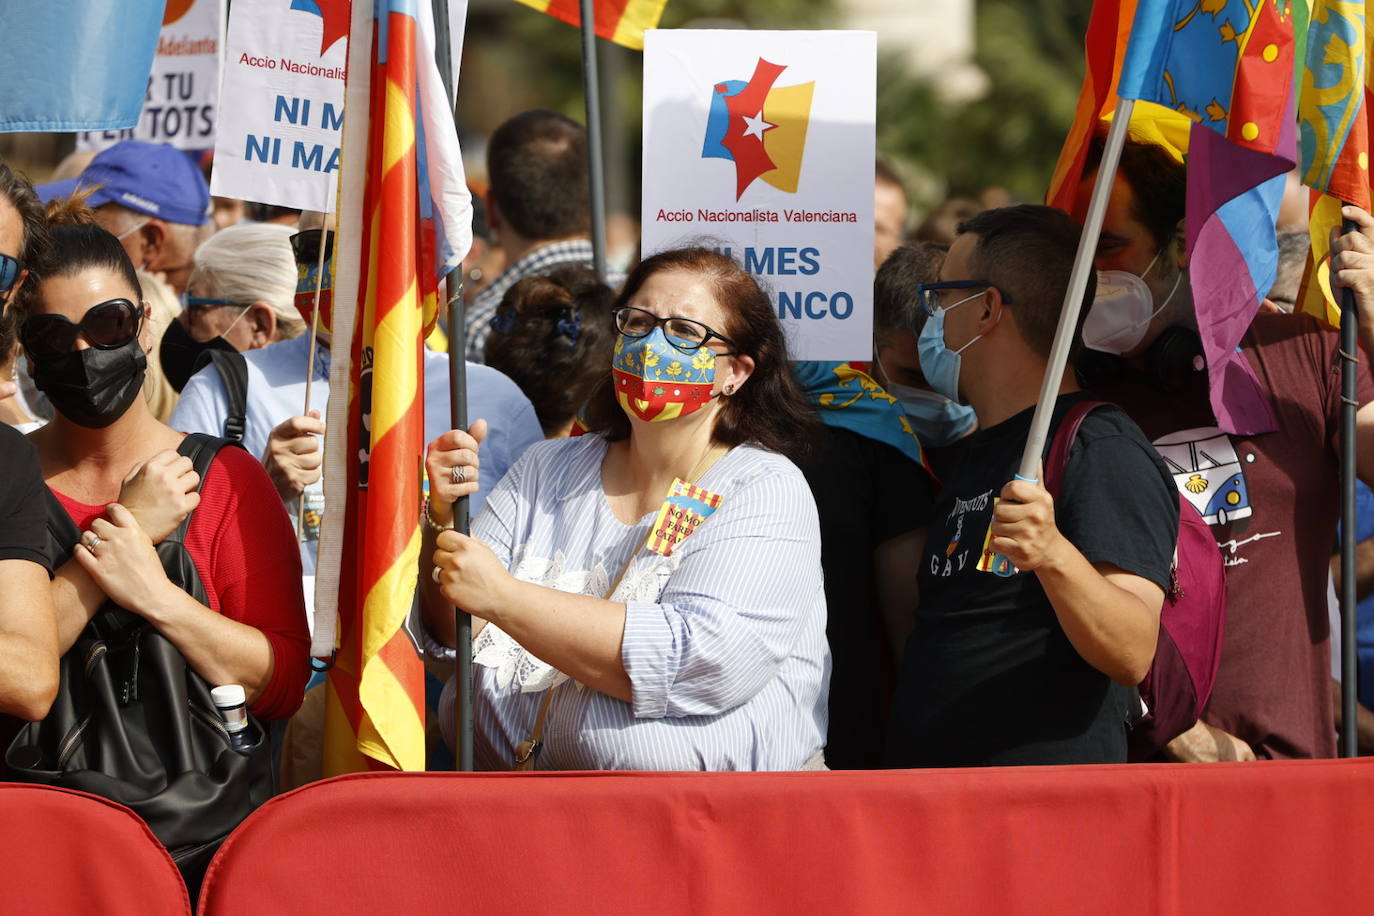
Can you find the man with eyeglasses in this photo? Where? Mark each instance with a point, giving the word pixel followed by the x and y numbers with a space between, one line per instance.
pixel 28 624
pixel 1035 661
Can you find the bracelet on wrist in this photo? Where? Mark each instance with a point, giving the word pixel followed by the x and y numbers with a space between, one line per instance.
pixel 428 522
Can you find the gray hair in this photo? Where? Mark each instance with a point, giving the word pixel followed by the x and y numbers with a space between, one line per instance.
pixel 251 262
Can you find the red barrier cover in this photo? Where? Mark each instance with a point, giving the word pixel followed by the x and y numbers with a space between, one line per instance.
pixel 1280 836
pixel 69 852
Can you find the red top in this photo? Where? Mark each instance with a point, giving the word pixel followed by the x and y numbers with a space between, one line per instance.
pixel 244 548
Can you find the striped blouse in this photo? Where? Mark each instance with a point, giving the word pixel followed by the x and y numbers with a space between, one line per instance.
pixel 724 640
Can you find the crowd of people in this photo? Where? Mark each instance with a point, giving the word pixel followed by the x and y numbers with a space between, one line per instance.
pixel 825 598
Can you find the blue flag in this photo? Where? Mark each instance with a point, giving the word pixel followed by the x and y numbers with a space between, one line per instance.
pixel 73 65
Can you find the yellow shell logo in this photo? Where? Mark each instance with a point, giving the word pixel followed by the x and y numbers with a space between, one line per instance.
pixel 1196 484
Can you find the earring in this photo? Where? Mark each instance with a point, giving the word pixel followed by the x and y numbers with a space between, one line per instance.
pixel 729 390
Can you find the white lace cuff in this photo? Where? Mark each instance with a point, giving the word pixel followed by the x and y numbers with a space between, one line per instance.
pixel 495 649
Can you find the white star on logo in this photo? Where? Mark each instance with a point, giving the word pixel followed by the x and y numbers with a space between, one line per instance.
pixel 757 125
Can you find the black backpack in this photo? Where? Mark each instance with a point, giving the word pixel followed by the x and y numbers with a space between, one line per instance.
pixel 133 723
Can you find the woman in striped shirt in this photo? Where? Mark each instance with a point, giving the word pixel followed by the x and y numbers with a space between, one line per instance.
pixel 605 637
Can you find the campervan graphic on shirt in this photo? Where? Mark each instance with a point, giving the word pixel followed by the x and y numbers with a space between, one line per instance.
pixel 1209 473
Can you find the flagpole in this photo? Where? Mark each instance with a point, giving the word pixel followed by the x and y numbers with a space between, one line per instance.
pixel 591 86
pixel 1078 286
pixel 314 340
pixel 458 419
pixel 1349 531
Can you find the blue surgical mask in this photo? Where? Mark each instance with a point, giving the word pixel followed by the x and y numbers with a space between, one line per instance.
pixel 940 364
pixel 938 421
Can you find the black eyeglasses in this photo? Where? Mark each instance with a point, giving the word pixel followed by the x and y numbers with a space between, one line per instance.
pixel 10 269
pixel 202 302
pixel 683 333
pixel 929 293
pixel 107 326
pixel 306 246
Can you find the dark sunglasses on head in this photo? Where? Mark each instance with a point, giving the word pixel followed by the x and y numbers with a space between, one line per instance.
pixel 107 326
pixel 306 246
pixel 10 269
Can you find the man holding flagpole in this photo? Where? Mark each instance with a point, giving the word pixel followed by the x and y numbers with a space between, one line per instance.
pixel 1035 663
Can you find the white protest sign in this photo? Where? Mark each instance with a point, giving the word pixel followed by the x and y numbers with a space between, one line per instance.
pixel 762 143
pixel 182 86
pixel 281 110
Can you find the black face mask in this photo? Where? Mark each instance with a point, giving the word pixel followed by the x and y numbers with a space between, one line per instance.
pixel 92 387
pixel 180 353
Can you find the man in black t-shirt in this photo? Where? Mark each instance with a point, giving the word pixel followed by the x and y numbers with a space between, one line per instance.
pixel 28 625
pixel 1038 664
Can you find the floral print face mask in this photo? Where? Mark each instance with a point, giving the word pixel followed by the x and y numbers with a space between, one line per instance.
pixel 654 380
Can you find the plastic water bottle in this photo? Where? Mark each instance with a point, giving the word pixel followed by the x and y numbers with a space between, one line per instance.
pixel 232 704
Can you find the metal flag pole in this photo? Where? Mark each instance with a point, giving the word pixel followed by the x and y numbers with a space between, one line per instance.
pixel 458 419
pixel 1349 404
pixel 591 86
pixel 314 342
pixel 1078 285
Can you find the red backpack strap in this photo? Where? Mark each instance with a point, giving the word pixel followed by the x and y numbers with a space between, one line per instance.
pixel 1062 444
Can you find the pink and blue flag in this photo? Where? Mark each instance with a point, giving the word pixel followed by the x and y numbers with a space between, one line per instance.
pixel 1228 66
pixel 76 65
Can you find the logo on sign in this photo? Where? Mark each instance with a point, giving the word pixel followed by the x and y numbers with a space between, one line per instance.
pixel 175 9
pixel 760 127
pixel 335 14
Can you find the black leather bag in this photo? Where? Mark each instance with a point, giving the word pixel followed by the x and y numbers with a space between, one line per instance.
pixel 133 723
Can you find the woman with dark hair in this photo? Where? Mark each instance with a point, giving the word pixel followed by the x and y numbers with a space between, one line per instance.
pixel 617 629
pixel 552 335
pixel 115 470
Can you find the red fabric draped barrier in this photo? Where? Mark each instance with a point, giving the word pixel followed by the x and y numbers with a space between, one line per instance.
pixel 69 852
pixel 1269 837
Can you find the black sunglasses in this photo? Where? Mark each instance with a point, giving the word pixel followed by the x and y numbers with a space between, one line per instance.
pixel 107 326
pixel 10 269
pixel 306 246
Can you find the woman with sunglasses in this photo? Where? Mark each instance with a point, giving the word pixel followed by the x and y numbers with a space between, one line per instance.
pixel 115 470
pixel 610 633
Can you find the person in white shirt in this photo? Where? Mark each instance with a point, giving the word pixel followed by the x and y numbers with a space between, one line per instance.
pixel 276 431
pixel 279 430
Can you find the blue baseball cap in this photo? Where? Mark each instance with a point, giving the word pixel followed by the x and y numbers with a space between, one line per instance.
pixel 151 178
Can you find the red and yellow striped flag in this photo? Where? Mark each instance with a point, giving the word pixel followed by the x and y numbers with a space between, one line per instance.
pixel 375 711
pixel 620 21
